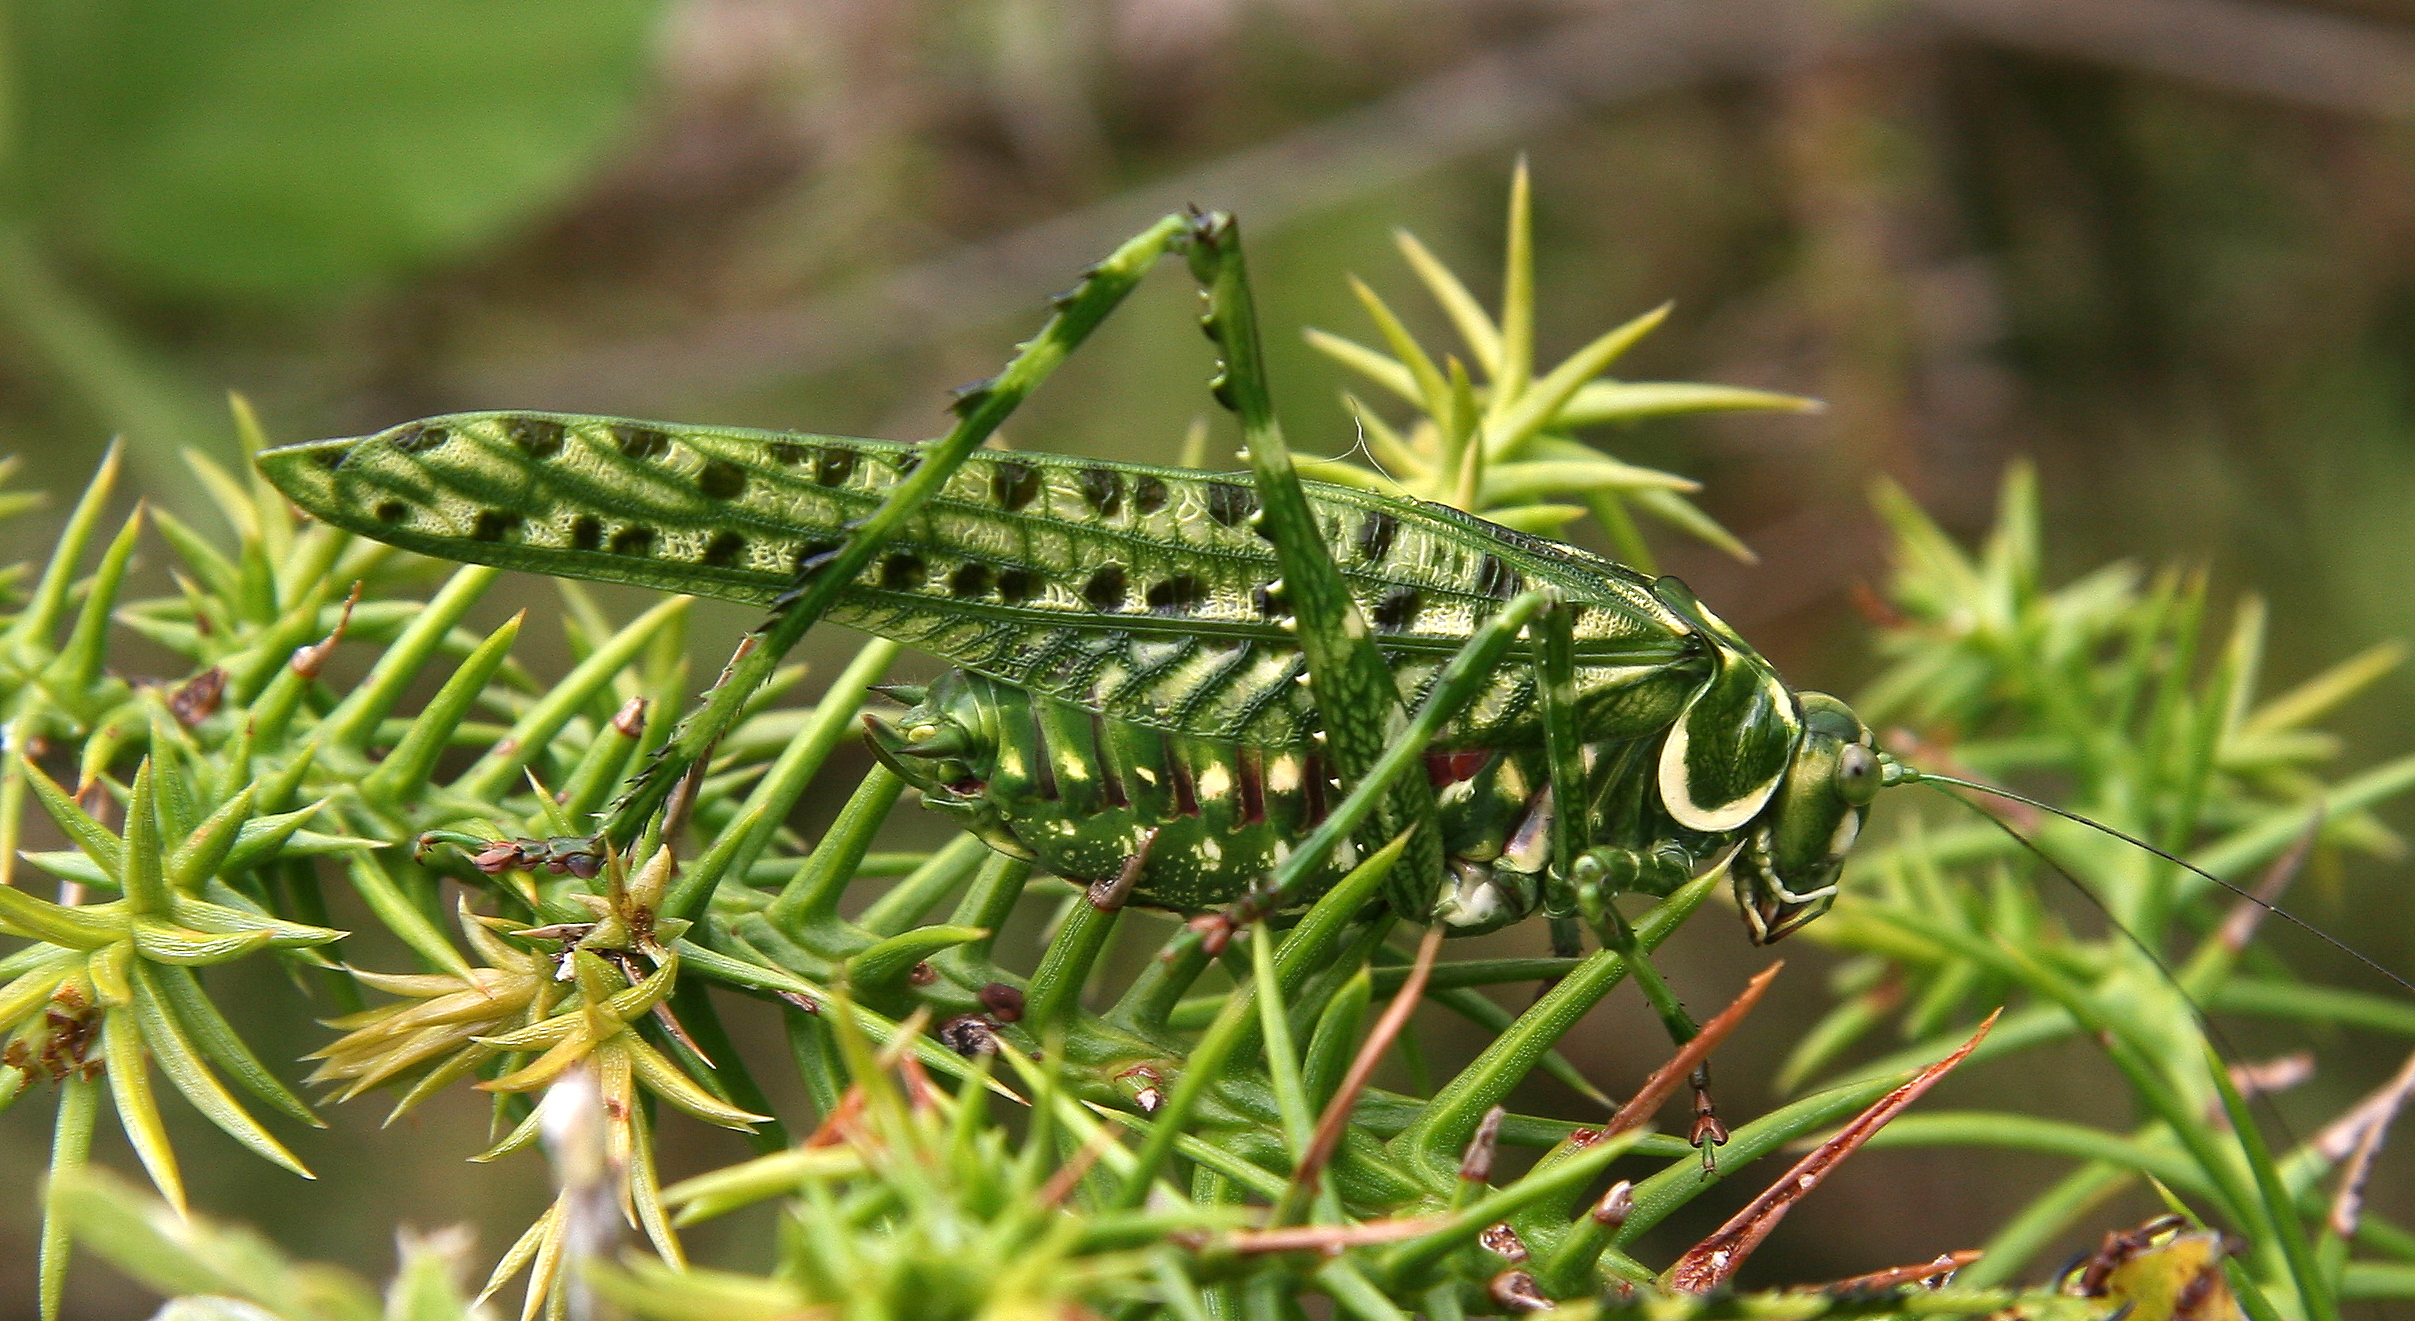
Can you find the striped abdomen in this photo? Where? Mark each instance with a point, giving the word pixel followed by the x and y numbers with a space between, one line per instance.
pixel 1082 793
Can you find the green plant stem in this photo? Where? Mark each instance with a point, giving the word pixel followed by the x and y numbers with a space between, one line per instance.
pixel 2279 1208
pixel 1439 1134
pixel 745 838
pixel 723 1068
pixel 70 1147
pixel 811 900
pixel 1056 985
pixel 1355 693
pixel 1204 1068
pixel 904 903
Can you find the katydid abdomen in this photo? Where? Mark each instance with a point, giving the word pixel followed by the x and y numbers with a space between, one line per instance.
pixel 1195 819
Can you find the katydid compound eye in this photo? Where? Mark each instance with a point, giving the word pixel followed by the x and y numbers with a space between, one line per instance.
pixel 1856 774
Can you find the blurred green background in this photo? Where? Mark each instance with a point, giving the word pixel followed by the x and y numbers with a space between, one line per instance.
pixel 2166 248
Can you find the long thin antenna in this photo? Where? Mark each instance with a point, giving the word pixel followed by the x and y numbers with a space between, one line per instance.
pixel 2222 1042
pixel 1913 775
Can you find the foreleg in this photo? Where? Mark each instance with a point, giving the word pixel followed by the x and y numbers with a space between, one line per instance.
pixel 1584 879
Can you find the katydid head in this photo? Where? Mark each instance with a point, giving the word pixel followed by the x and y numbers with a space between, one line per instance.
pixel 1786 871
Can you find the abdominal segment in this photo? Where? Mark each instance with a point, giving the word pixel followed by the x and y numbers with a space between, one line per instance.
pixel 1081 793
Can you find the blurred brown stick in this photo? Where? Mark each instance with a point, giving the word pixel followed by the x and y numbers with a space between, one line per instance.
pixel 1499 97
pixel 2266 48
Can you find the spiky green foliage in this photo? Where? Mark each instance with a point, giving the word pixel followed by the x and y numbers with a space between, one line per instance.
pixel 1200 1140
pixel 1501 438
pixel 2143 713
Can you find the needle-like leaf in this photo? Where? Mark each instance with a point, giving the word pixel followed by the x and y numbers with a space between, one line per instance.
pixel 146 877
pixel 1482 337
pixel 1506 436
pixel 216 1037
pixel 182 1064
pixel 30 635
pixel 405 771
pixel 78 665
pixel 97 841
pixel 137 1111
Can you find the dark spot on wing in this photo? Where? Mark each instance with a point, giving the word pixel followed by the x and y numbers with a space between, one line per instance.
pixel 723 550
pixel 1270 605
pixel 331 458
pixel 970 580
pixel 1397 609
pixel 721 479
pixel 1229 504
pixel 1375 536
pixel 393 511
pixel 537 437
pixel 1015 586
pixel 1148 495
pixel 1103 488
pixel 586 533
pixel 493 524
pixel 906 463
pixel 832 465
pixel 903 571
pixel 633 541
pixel 1013 484
pixel 640 442
pixel 1106 588
pixel 421 438
pixel 1178 595
pixel 1493 578
pixel 788 452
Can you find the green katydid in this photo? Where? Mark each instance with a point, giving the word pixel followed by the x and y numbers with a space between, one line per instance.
pixel 1137 653
pixel 1165 678
pixel 1149 681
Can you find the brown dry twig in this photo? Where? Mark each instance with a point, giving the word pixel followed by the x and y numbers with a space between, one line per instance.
pixel 1640 1107
pixel 2239 927
pixel 1329 1127
pixel 1710 1263
pixel 2371 1121
pixel 1930 1273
